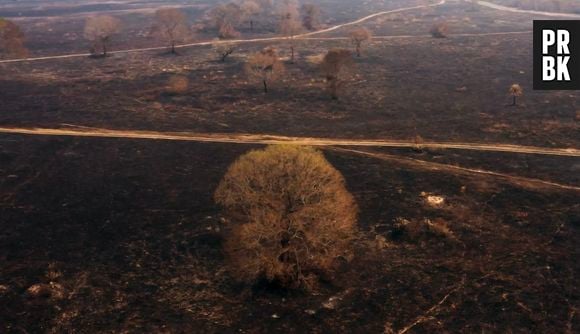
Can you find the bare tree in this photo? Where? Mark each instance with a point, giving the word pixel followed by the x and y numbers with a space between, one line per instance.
pixel 227 31
pixel 358 36
pixel 265 66
pixel 225 18
pixel 171 25
pixel 290 216
pixel 336 66
pixel 310 16
pixel 440 30
pixel 515 91
pixel 224 50
pixel 290 25
pixel 11 40
pixel 99 30
pixel 250 9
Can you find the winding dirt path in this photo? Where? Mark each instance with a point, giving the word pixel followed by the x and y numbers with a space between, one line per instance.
pixel 525 11
pixel 272 139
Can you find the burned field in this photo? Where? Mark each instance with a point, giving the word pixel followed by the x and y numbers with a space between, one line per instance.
pixel 129 231
pixel 123 235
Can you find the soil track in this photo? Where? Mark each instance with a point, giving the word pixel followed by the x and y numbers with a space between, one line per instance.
pixel 525 182
pixel 272 139
pixel 524 11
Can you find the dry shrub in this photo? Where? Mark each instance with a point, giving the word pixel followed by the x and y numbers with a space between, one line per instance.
pixel 177 84
pixel 224 50
pixel 419 230
pixel 440 30
pixel 291 217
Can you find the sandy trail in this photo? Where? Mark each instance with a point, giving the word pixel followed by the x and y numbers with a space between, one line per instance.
pixel 524 182
pixel 524 11
pixel 265 139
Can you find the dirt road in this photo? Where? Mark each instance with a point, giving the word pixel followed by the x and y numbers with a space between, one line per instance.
pixel 524 182
pixel 272 139
pixel 524 11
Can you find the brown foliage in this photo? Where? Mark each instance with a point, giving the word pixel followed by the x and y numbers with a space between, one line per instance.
pixel 291 216
pixel 225 18
pixel 335 66
pixel 265 66
pixel 440 30
pixel 310 16
pixel 515 91
pixel 99 30
pixel 249 11
pixel 171 25
pixel 358 37
pixel 177 84
pixel 11 40
pixel 227 31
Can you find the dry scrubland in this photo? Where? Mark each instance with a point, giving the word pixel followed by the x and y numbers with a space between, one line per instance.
pixel 124 235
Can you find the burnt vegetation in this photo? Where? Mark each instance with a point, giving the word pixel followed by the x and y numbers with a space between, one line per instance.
pixel 168 236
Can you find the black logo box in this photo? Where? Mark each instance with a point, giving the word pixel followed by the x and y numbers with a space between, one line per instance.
pixel 573 27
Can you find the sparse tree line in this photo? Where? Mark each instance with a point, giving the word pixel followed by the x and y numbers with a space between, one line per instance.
pixel 266 66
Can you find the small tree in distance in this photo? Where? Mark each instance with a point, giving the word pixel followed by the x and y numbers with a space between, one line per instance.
pixel 171 25
pixel 225 18
pixel 224 50
pixel 335 65
pixel 290 216
pixel 265 66
pixel 440 30
pixel 99 30
pixel 11 40
pixel 290 26
pixel 358 37
pixel 250 9
pixel 515 91
pixel 227 31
